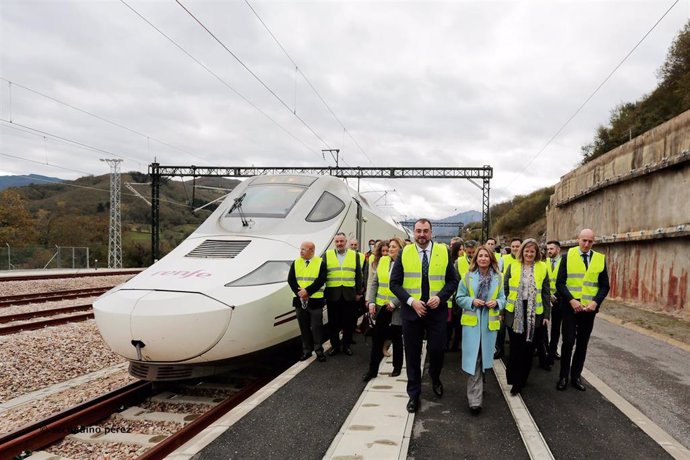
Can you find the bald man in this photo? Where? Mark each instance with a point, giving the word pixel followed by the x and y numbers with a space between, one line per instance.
pixel 582 284
pixel 307 279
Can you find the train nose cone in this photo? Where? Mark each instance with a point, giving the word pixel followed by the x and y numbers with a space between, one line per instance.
pixel 167 326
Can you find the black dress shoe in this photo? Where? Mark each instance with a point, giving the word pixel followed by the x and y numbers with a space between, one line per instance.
pixel 476 410
pixel 305 356
pixel 320 356
pixel 395 373
pixel 438 388
pixel 412 405
pixel 333 352
pixel 368 376
pixel 499 354
pixel 577 383
pixel 546 366
pixel 562 384
pixel 347 351
pixel 557 355
pixel 515 390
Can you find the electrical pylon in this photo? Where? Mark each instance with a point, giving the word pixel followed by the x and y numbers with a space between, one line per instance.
pixel 115 231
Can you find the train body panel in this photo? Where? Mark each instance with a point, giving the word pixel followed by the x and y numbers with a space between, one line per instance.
pixel 222 293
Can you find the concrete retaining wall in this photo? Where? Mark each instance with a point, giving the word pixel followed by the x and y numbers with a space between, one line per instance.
pixel 637 200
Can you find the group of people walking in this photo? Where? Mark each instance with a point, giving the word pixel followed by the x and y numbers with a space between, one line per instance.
pixel 428 291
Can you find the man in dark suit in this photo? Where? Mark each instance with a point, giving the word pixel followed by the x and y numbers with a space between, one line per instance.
pixel 343 282
pixel 307 279
pixel 423 279
pixel 582 284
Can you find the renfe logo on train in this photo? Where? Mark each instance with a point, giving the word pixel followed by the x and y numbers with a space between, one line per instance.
pixel 183 273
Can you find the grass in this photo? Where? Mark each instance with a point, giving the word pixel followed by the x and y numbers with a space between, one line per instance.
pixel 658 322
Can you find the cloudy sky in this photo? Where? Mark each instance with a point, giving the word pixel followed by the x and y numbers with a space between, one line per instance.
pixel 414 83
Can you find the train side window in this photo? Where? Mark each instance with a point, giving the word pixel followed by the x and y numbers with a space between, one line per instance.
pixel 326 208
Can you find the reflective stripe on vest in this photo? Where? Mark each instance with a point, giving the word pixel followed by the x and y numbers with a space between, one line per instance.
pixel 438 262
pixel 384 295
pixel 583 283
pixel 514 285
pixel 341 276
pixel 471 318
pixel 307 274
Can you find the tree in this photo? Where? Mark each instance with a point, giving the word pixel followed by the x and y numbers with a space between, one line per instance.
pixel 16 225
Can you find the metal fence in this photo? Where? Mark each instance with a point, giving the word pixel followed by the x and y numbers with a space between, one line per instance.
pixel 38 257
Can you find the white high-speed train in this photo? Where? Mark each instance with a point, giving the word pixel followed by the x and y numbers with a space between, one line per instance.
pixel 222 293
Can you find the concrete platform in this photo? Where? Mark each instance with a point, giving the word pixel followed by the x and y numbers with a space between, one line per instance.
pixel 324 410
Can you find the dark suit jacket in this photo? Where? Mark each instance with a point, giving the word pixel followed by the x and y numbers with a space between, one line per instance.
pixel 564 294
pixel 407 313
pixel 311 289
pixel 333 294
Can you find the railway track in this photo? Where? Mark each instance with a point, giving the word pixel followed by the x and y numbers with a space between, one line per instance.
pixel 79 315
pixel 68 275
pixel 41 297
pixel 78 423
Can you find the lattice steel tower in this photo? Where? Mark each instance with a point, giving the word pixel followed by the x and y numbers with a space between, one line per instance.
pixel 115 232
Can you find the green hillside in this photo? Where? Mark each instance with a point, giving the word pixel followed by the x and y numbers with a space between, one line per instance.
pixel 36 218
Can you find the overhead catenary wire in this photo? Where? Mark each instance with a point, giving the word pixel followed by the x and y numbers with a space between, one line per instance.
pixel 99 117
pixel 218 77
pixel 577 111
pixel 251 72
pixel 162 200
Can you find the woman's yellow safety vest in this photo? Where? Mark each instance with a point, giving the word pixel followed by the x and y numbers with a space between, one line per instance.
pixel 384 295
pixel 514 284
pixel 438 262
pixel 471 318
pixel 341 276
pixel 307 274
pixel 583 283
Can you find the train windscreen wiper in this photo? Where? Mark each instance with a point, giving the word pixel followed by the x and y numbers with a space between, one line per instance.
pixel 237 205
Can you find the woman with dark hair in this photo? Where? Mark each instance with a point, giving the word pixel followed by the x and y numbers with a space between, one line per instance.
pixel 528 295
pixel 453 330
pixel 384 306
pixel 481 297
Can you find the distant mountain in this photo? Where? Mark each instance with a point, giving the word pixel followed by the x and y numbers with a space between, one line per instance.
pixel 20 181
pixel 464 217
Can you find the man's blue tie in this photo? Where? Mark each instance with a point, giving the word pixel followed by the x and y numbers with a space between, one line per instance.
pixel 584 259
pixel 425 265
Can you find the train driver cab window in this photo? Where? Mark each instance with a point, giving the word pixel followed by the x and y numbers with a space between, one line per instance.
pixel 267 200
pixel 326 208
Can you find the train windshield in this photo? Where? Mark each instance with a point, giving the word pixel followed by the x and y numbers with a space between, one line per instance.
pixel 268 200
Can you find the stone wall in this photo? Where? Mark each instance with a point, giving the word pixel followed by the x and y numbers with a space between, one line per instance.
pixel 637 200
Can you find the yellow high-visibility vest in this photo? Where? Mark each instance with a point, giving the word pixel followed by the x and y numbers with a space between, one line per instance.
pixel 514 285
pixel 553 273
pixel 583 283
pixel 307 274
pixel 507 260
pixel 438 262
pixel 341 275
pixel 384 295
pixel 471 318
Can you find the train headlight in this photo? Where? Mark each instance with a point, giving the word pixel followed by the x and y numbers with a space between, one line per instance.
pixel 275 271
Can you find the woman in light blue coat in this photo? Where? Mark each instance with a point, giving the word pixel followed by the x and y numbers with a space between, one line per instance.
pixel 481 297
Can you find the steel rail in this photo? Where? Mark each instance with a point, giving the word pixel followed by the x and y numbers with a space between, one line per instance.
pixel 11 329
pixel 41 297
pixel 68 275
pixel 41 434
pixel 41 313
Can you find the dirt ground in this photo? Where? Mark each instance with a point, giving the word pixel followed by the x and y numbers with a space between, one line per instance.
pixel 661 323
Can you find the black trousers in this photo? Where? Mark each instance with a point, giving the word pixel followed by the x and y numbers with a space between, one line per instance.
pixel 453 330
pixel 520 359
pixel 541 343
pixel 556 320
pixel 434 325
pixel 310 322
pixel 501 339
pixel 340 313
pixel 577 327
pixel 382 331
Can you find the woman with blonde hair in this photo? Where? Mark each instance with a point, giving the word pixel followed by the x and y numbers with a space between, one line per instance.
pixel 384 306
pixel 481 297
pixel 527 290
